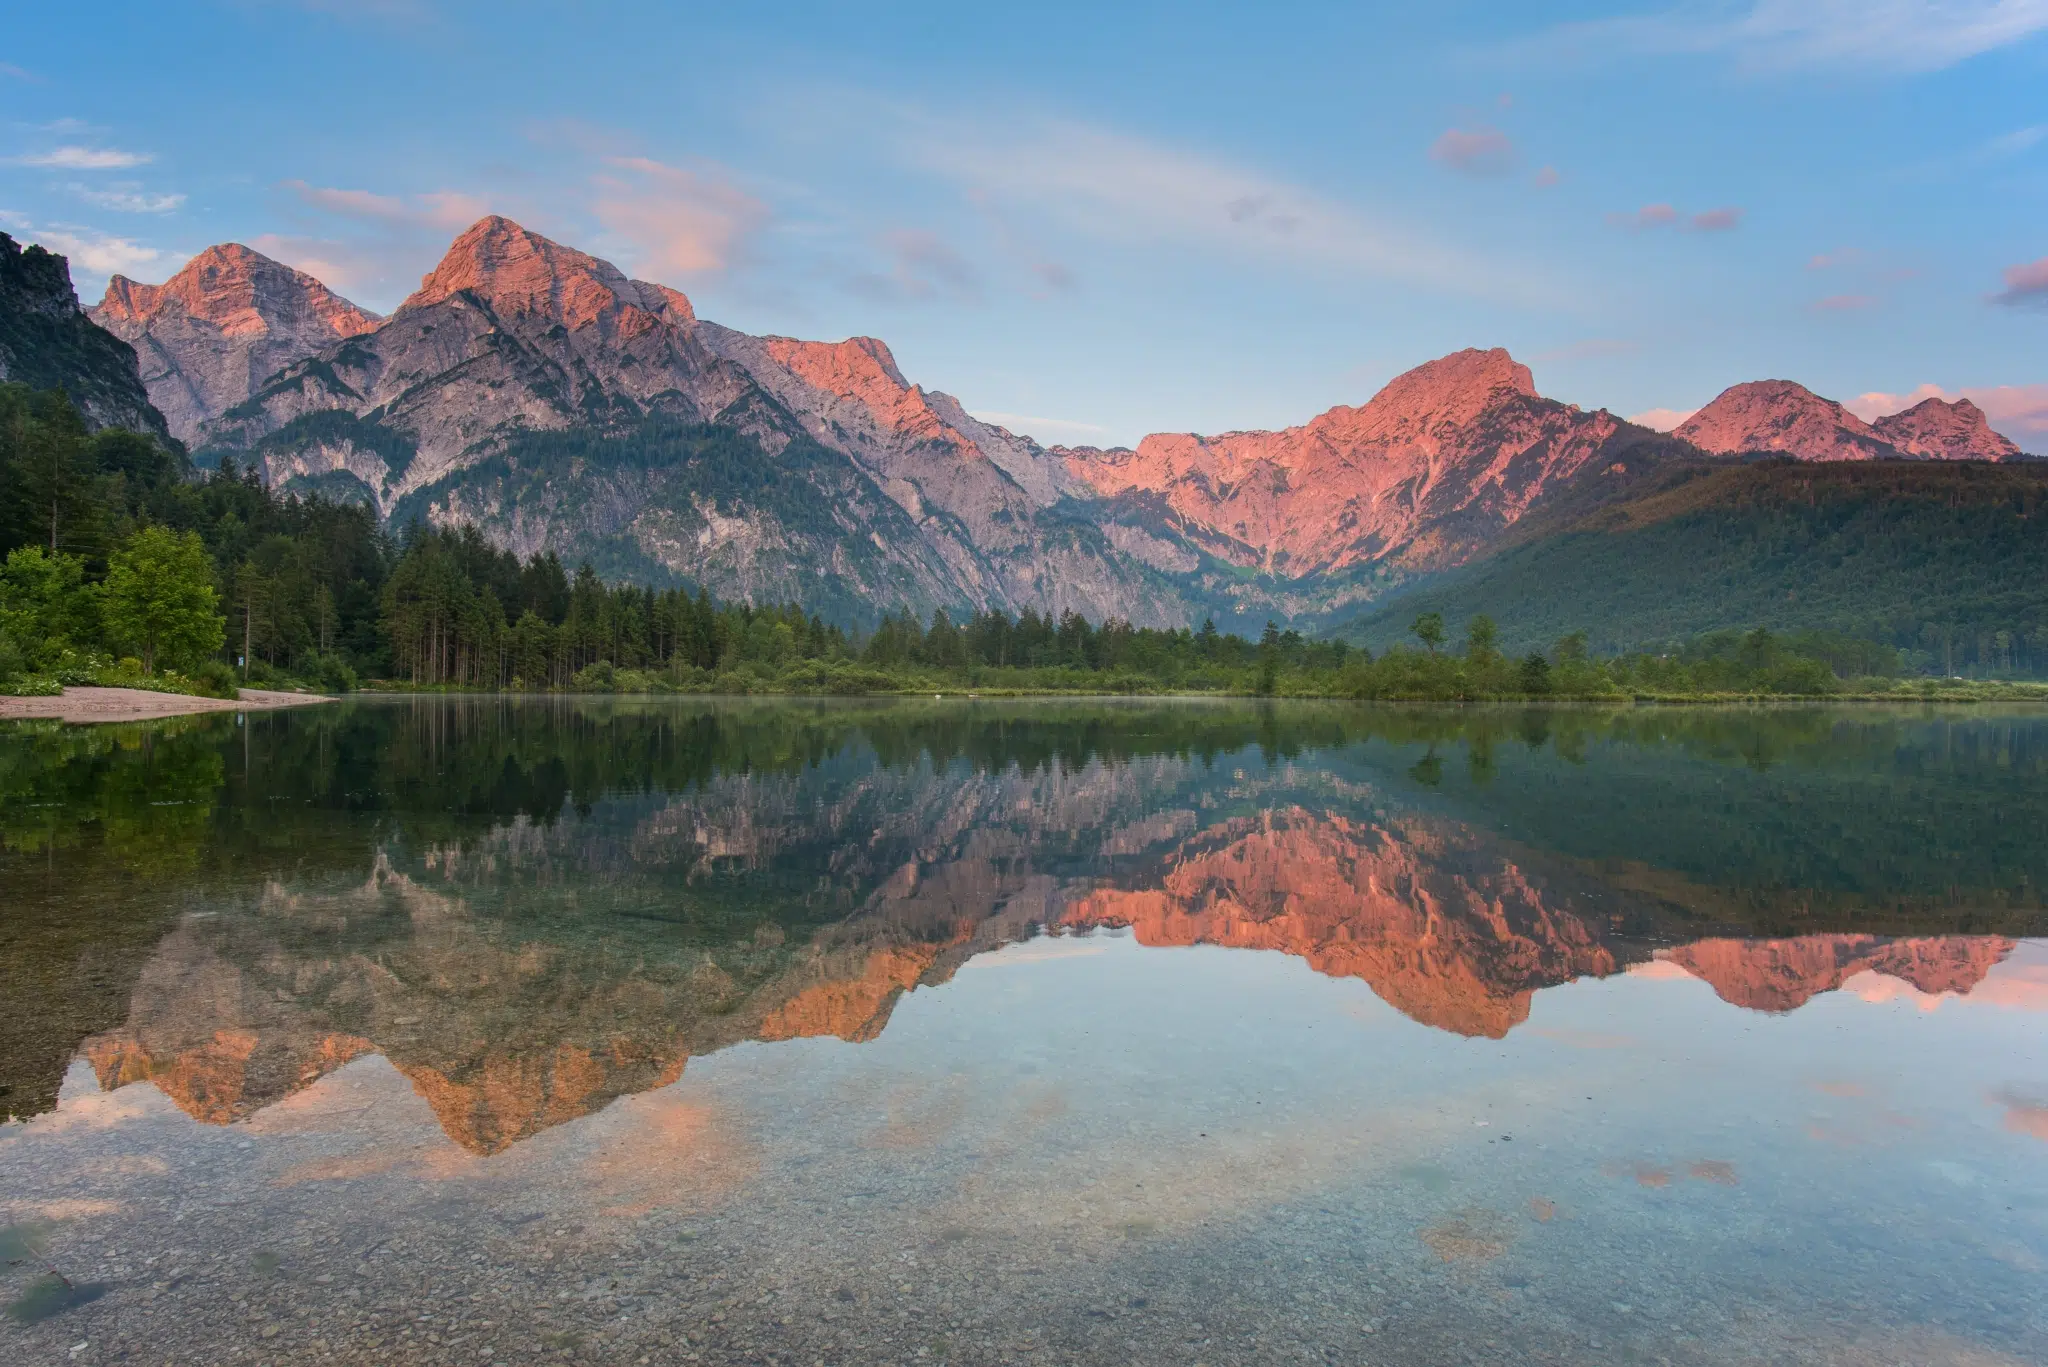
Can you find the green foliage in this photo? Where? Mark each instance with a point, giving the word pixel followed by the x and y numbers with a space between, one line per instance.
pixel 1429 629
pixel 45 605
pixel 160 598
pixel 1945 563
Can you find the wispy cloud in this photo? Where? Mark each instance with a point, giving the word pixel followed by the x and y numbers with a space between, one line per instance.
pixel 1645 218
pixel 1482 151
pixel 1661 419
pixel 1785 35
pixel 18 73
pixel 90 252
pixel 1838 259
pixel 447 210
pixel 81 158
pixel 361 270
pixel 128 199
pixel 1845 303
pixel 2016 143
pixel 1115 186
pixel 678 221
pixel 1652 216
pixel 1050 276
pixel 1545 177
pixel 921 266
pixel 2025 285
pixel 2018 410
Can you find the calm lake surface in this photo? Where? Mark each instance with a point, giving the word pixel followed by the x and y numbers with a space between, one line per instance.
pixel 648 1031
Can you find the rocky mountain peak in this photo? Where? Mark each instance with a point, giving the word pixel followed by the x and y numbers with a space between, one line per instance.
pixel 240 291
pixel 1452 390
pixel 518 272
pixel 1940 430
pixel 1779 415
pixel 860 368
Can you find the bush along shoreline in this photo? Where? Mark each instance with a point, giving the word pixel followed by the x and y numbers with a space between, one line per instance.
pixel 122 566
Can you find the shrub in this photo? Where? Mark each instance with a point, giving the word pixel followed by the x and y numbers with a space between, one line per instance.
pixel 215 679
pixel 595 678
pixel 336 676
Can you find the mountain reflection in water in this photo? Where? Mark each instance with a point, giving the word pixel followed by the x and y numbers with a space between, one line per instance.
pixel 532 910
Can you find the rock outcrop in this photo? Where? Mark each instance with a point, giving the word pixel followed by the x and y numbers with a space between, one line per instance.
pixel 211 334
pixel 1420 477
pixel 1780 416
pixel 48 342
pixel 1938 429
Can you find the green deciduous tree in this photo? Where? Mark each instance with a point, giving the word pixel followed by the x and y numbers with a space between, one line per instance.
pixel 160 599
pixel 45 605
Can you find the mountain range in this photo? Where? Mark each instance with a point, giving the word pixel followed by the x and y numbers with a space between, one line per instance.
pixel 540 393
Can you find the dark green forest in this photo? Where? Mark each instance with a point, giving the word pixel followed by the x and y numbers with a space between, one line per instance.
pixel 1945 563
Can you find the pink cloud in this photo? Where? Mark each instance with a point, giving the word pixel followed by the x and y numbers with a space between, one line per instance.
pixel 1649 216
pixel 1661 215
pixel 2018 410
pixel 1661 419
pixel 448 210
pixel 2025 284
pixel 1475 151
pixel 1827 261
pixel 363 270
pixel 1545 177
pixel 678 221
pixel 1844 303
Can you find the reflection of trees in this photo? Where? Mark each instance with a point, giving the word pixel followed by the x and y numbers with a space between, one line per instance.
pixel 99 829
pixel 144 791
pixel 727 850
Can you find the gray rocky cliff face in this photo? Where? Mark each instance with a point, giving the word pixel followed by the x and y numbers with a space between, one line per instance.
pixel 48 342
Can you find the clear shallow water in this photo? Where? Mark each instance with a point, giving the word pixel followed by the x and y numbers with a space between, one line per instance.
pixel 475 1032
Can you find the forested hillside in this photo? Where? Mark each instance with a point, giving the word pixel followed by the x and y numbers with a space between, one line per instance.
pixel 1947 562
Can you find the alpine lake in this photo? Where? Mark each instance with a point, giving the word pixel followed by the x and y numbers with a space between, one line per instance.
pixel 645 1031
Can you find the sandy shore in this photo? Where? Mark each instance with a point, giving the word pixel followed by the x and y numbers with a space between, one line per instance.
pixel 136 704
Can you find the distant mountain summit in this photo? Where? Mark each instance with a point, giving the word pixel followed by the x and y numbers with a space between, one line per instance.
pixel 1935 429
pixel 48 342
pixel 1433 466
pixel 232 317
pixel 1778 415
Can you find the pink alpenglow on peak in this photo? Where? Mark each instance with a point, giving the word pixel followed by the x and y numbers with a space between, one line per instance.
pixel 1939 430
pixel 240 291
pixel 1450 451
pixel 519 272
pixel 207 337
pixel 1778 415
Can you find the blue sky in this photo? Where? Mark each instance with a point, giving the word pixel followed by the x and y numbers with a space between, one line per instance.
pixel 1099 220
